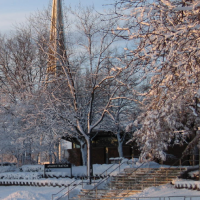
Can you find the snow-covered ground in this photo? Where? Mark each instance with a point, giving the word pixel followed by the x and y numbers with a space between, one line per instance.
pixel 167 190
pixel 27 192
pixel 45 193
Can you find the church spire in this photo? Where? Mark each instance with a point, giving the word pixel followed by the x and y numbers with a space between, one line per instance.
pixel 57 51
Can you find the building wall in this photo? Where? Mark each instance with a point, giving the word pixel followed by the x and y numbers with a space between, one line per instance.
pixel 100 155
pixel 73 156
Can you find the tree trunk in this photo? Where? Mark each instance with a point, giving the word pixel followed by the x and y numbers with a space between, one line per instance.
pixel 23 158
pixel 88 157
pixel 120 145
pixel 83 152
pixel 50 156
pixel 56 152
pixel 120 149
pixel 28 152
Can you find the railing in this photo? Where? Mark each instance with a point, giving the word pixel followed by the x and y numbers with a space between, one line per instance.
pixel 74 185
pixel 180 164
pixel 106 171
pixel 144 176
pixel 101 182
pixel 108 176
pixel 52 196
pixel 167 171
pixel 136 181
pixel 149 198
pixel 119 191
pixel 106 179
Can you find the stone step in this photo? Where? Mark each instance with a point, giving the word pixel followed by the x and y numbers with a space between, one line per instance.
pixel 107 193
pixel 131 182
pixel 122 193
pixel 142 187
pixel 138 185
pixel 86 190
pixel 134 178
pixel 93 192
pixel 155 173
pixel 131 178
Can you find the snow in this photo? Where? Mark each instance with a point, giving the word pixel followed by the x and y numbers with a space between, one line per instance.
pixel 26 192
pixel 45 193
pixel 190 184
pixel 167 190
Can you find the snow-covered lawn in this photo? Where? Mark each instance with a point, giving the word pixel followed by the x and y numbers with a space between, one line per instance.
pixel 27 193
pixel 167 190
pixel 44 193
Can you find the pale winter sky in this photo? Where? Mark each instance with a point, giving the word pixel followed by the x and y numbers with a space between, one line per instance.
pixel 15 12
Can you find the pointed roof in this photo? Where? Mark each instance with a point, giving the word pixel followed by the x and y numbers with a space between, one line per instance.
pixel 57 51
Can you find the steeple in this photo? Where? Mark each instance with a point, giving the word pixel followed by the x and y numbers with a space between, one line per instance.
pixel 57 51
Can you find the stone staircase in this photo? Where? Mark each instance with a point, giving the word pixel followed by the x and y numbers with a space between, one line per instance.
pixel 130 182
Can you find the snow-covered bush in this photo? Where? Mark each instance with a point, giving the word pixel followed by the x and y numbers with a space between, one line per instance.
pixel 32 168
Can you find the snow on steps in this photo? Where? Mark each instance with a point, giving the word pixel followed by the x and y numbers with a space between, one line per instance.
pixel 32 175
pixel 104 194
pixel 39 183
pixel 131 182
pixel 143 178
pixel 187 184
pixel 34 179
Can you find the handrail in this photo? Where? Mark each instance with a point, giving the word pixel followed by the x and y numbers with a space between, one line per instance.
pixel 188 161
pixel 166 168
pixel 187 197
pixel 169 172
pixel 63 188
pixel 67 193
pixel 107 169
pixel 100 182
pixel 87 177
pixel 143 178
pixel 119 191
pixel 178 161
pixel 109 175
pixel 113 171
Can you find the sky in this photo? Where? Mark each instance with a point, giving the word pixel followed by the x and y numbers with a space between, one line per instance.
pixel 15 12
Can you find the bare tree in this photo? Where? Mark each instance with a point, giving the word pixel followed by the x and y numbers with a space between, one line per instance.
pixel 21 75
pixel 82 96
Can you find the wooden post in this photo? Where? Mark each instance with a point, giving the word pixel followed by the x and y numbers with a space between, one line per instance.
pixel 91 166
pixel 71 171
pixel 106 149
pixel 198 132
pixel 132 155
pixel 199 158
pixel 44 176
pixel 199 162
